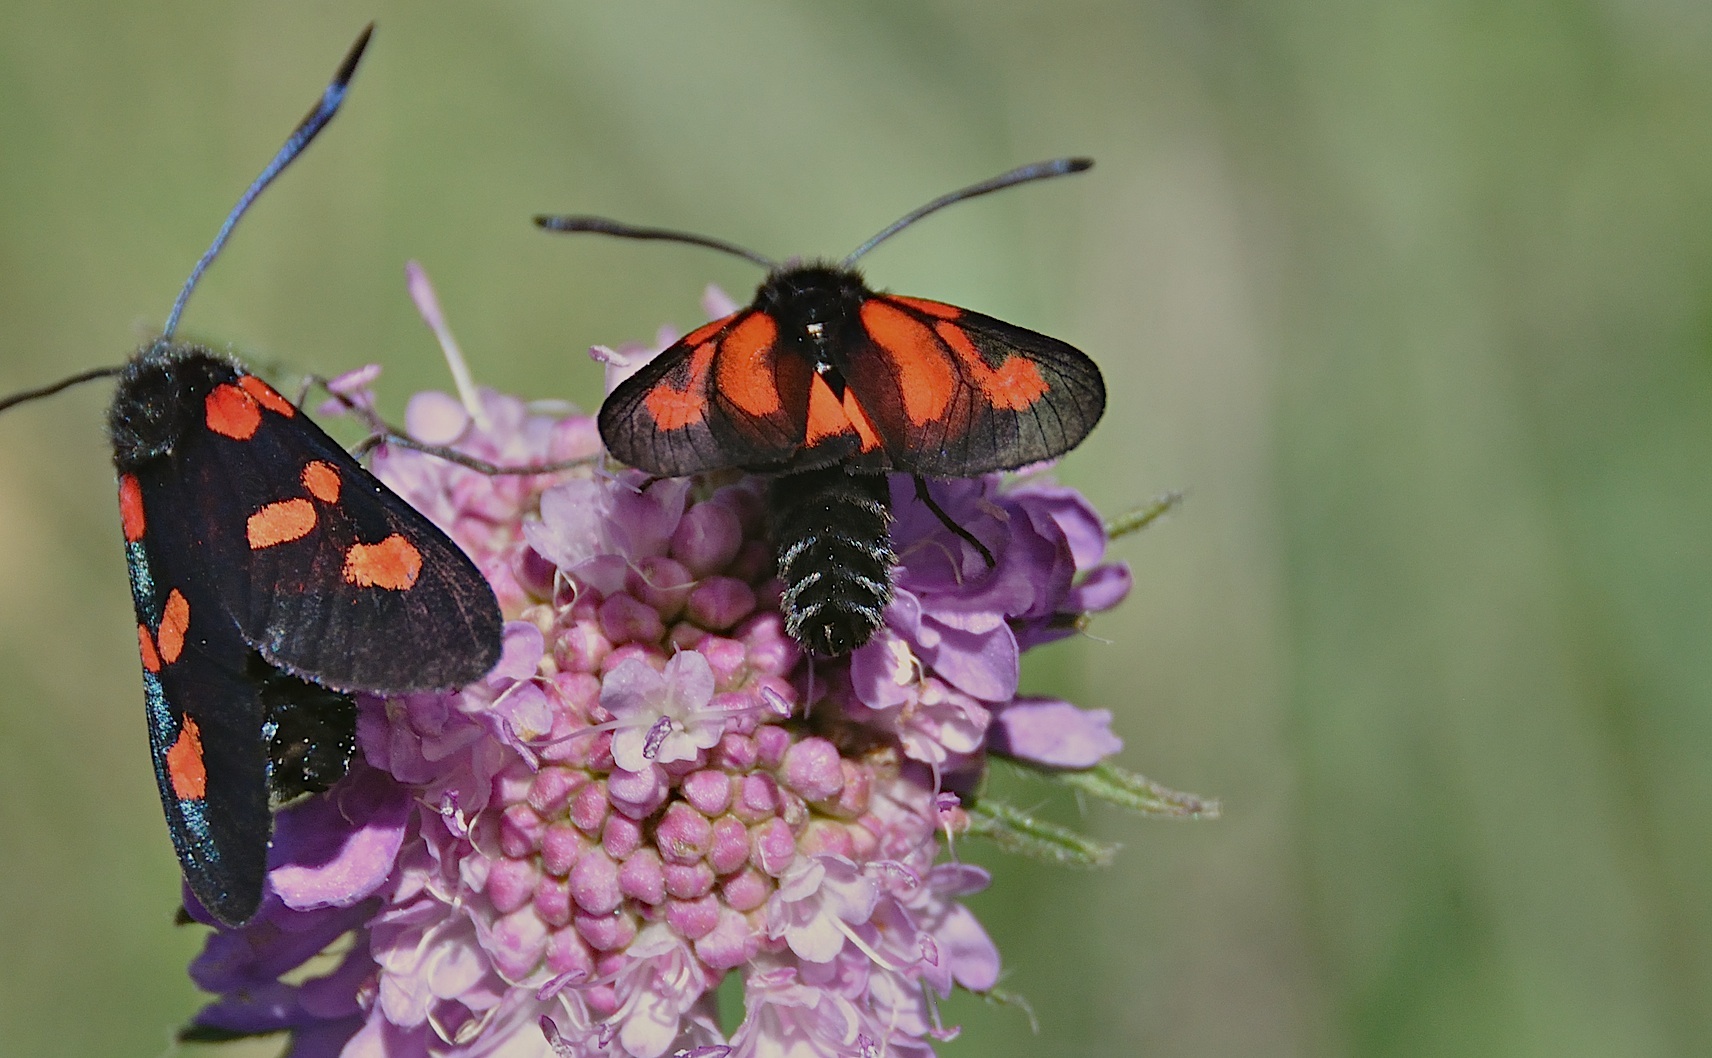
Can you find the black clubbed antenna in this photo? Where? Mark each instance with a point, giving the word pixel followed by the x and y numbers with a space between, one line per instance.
pixel 1037 171
pixel 603 226
pixel 313 122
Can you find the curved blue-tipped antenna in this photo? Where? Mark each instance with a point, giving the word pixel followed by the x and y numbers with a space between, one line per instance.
pixel 312 123
pixel 1022 175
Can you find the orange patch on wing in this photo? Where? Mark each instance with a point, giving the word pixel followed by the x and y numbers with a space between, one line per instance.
pixel 1015 385
pixel 232 413
pixel 925 379
pixel 175 624
pixel 932 308
pixel 131 508
pixel 184 764
pixel 825 415
pixel 393 563
pixel 146 647
pixel 267 396
pixel 674 409
pixel 706 331
pixel 746 366
pixel 322 481
pixel 280 523
pixel 858 417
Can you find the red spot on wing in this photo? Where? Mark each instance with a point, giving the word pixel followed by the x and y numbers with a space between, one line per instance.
pixel 146 647
pixel 746 366
pixel 1014 385
pixel 706 331
pixel 184 764
pixel 131 508
pixel 267 396
pixel 175 624
pixel 936 309
pixel 322 481
pixel 858 417
pixel 825 414
pixel 925 378
pixel 394 563
pixel 280 523
pixel 673 407
pixel 232 413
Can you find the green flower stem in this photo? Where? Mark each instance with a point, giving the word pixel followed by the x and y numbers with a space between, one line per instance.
pixel 1014 830
pixel 1135 792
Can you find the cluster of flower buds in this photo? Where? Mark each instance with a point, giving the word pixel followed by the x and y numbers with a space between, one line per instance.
pixel 655 788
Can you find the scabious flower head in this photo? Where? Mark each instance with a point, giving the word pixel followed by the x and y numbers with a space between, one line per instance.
pixel 568 856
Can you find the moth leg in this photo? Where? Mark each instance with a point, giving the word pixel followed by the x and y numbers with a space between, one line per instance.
pixel 926 497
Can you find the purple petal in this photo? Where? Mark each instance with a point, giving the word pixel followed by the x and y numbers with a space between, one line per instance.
pixel 338 995
pixel 1043 534
pixel 521 654
pixel 266 1008
pixel 984 665
pixel 1039 631
pixel 1103 588
pixel 716 302
pixel 276 941
pixel 633 687
pixel 355 382
pixel 1074 516
pixel 631 357
pixel 336 850
pixel 959 879
pixel 436 418
pixel 324 1039
pixel 350 389
pixel 691 679
pixel 645 513
pixel 962 500
pixel 881 671
pixel 380 1038
pixel 524 713
pixel 904 614
pixel 973 957
pixel 1055 733
pixel 572 516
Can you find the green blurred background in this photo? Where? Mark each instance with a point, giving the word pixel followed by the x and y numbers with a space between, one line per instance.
pixel 1415 299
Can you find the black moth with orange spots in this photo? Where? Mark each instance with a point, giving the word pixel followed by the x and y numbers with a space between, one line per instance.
pixel 830 385
pixel 273 576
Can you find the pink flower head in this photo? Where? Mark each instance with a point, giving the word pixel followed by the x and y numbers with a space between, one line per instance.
pixel 569 855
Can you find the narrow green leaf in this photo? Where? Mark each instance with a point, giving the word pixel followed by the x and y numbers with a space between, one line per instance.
pixel 1014 830
pixel 1141 517
pixel 1137 793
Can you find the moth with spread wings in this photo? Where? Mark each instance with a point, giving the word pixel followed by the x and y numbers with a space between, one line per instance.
pixel 268 568
pixel 272 576
pixel 829 384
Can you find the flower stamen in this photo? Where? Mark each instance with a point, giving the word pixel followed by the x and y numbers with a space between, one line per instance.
pixel 862 945
pixel 656 735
